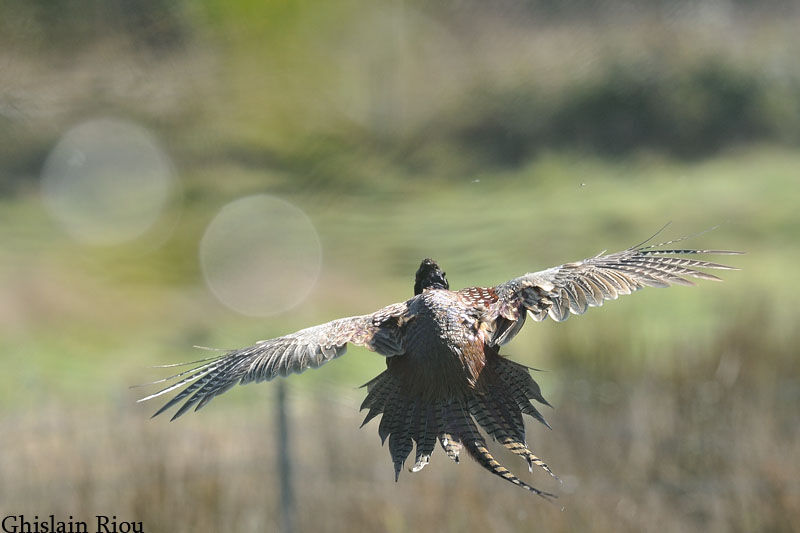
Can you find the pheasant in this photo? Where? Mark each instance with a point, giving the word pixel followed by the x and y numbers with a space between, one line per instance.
pixel 444 374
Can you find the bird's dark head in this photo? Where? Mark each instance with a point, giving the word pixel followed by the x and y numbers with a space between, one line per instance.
pixel 429 276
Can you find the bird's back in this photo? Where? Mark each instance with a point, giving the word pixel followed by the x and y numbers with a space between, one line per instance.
pixel 444 346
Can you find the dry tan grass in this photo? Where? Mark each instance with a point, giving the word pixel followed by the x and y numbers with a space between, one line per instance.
pixel 712 444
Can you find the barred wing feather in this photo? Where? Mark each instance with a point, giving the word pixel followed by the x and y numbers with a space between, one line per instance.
pixel 312 347
pixel 574 287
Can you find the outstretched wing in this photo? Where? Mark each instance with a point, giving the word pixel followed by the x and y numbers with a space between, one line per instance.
pixel 574 287
pixel 381 332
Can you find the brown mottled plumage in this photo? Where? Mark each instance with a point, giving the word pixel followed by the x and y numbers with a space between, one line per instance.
pixel 444 373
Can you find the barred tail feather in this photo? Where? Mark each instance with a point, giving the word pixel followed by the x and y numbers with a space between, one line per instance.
pixel 477 449
pixel 400 441
pixel 476 446
pixel 502 396
pixel 404 421
pixel 451 446
pixel 497 405
pixel 425 437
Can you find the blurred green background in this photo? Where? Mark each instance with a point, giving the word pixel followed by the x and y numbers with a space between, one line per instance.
pixel 498 138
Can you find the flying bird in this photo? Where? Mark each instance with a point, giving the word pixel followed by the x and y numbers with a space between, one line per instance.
pixel 444 374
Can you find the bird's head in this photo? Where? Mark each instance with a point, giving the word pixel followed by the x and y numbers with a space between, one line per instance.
pixel 429 276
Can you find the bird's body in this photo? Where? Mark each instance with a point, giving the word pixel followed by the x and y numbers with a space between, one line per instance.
pixel 444 369
pixel 445 338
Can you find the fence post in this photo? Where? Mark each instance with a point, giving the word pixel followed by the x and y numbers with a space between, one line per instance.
pixel 284 462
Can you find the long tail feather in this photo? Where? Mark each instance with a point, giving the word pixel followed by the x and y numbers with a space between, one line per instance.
pixel 501 397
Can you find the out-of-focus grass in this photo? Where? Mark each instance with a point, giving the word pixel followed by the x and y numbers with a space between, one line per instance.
pixel 110 311
pixel 709 443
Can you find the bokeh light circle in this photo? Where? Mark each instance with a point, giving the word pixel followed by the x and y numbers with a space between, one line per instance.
pixel 260 255
pixel 107 181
